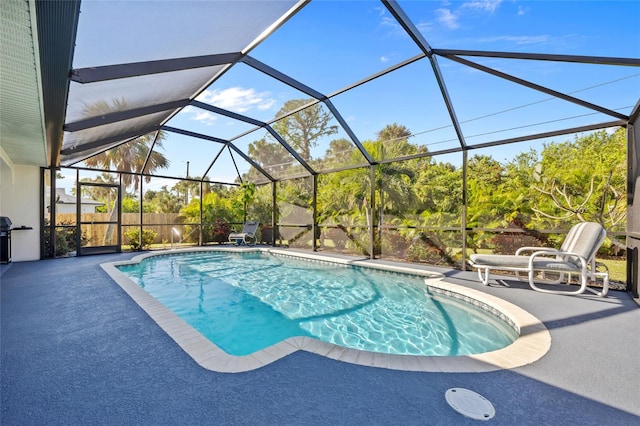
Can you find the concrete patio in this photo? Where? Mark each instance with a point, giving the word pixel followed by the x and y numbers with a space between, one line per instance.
pixel 77 350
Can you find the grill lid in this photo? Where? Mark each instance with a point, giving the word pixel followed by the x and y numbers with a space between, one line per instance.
pixel 5 223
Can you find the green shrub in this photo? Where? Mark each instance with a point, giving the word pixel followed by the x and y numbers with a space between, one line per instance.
pixel 133 237
pixel 65 239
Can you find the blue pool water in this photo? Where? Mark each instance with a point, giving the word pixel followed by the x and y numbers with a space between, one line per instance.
pixel 245 302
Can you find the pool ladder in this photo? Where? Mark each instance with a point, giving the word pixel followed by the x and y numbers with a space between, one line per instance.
pixel 175 231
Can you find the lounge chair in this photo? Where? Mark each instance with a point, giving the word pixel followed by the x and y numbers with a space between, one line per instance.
pixel 576 256
pixel 247 234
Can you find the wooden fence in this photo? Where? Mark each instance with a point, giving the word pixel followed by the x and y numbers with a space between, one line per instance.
pixel 160 223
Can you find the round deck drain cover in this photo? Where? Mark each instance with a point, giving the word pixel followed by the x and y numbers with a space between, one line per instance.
pixel 470 404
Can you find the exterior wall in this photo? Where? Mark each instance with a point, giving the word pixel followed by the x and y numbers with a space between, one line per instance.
pixel 66 208
pixel 20 201
pixel 71 208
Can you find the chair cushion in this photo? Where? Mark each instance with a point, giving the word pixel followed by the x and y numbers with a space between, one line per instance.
pixel 584 239
pixel 507 261
pixel 497 260
pixel 547 264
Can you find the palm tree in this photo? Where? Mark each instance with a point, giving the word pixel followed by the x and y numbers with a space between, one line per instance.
pixel 127 157
pixel 130 156
pixel 394 132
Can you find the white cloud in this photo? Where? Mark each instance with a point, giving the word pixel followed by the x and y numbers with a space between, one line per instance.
pixel 204 117
pixel 267 105
pixel 391 23
pixel 483 5
pixel 448 18
pixel 451 18
pixel 384 59
pixel 237 99
pixel 521 10
pixel 424 27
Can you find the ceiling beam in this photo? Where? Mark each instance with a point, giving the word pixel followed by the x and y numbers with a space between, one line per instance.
pixel 598 60
pixel 123 137
pixel 635 113
pixel 587 128
pixel 254 63
pixel 57 28
pixel 350 132
pixel 422 43
pixel 135 69
pixel 222 141
pixel 228 113
pixel 116 116
pixel 538 87
pixel 292 151
pixel 274 73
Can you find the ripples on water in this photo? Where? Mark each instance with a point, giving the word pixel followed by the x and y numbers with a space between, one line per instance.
pixel 244 302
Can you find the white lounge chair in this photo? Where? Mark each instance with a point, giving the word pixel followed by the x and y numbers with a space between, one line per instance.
pixel 247 234
pixel 576 256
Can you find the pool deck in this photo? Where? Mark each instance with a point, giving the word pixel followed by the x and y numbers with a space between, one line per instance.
pixel 76 349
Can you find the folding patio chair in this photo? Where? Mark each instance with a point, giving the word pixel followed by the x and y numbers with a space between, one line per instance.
pixel 247 234
pixel 576 256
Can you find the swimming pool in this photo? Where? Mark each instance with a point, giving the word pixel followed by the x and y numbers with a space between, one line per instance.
pixel 252 303
pixel 246 302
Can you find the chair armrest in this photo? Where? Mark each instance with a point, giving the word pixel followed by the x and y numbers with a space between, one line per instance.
pixel 583 261
pixel 534 249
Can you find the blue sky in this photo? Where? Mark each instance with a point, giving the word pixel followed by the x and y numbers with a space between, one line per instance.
pixel 331 44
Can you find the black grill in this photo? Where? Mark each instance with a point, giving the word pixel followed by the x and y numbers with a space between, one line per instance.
pixel 5 239
pixel 5 224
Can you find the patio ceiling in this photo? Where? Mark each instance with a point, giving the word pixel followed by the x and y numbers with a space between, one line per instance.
pixel 174 73
pixel 22 125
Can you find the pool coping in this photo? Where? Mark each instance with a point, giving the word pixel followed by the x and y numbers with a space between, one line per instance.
pixel 533 343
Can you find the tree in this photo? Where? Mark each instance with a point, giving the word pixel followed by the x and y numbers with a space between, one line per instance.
pixel 344 193
pixel 340 153
pixel 395 181
pixel 483 168
pixel 349 191
pixel 217 212
pixel 347 194
pixel 162 201
pixel 393 132
pixel 303 129
pixel 485 192
pixel 439 189
pixel 130 156
pixel 271 156
pixel 244 196
pixel 187 189
pixel 130 205
pixel 584 180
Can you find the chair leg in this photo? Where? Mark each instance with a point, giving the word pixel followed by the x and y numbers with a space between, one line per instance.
pixel 605 283
pixel 584 279
pixel 484 279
